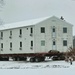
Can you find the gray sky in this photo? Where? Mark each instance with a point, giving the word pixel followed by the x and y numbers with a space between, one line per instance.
pixel 18 10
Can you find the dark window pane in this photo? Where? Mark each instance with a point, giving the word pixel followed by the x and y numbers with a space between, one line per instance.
pixel 64 30
pixel 20 44
pixel 20 31
pixel 1 45
pixel 42 29
pixel 31 43
pixel 53 29
pixel 65 43
pixel 53 42
pixel 31 30
pixel 10 32
pixel 10 45
pixel 1 34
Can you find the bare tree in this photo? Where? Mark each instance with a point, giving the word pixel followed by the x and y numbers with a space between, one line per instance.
pixel 1 3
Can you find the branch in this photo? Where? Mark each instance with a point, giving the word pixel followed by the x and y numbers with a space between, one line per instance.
pixel 2 3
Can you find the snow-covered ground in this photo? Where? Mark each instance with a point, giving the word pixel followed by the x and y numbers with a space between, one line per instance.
pixel 40 68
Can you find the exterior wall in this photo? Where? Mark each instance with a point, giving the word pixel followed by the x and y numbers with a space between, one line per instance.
pixel 37 37
pixel 25 39
pixel 48 35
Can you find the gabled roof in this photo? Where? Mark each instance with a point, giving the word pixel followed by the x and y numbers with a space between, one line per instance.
pixel 22 23
pixel 27 23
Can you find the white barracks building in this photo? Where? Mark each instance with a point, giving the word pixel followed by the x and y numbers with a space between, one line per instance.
pixel 36 36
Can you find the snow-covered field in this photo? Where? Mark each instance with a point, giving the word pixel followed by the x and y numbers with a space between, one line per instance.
pixel 40 68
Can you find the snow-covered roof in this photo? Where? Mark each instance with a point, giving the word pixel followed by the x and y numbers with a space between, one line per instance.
pixel 22 23
pixel 28 23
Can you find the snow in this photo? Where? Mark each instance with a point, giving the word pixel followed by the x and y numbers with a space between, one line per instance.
pixel 22 23
pixel 27 23
pixel 41 68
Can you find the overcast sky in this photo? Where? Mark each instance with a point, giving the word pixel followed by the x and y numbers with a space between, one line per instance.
pixel 19 10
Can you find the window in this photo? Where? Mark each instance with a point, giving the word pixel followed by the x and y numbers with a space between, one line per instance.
pixel 65 43
pixel 20 44
pixel 10 44
pixel 64 30
pixel 42 29
pixel 1 45
pixel 20 31
pixel 1 34
pixel 42 43
pixel 53 29
pixel 31 30
pixel 54 43
pixel 31 43
pixel 10 33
